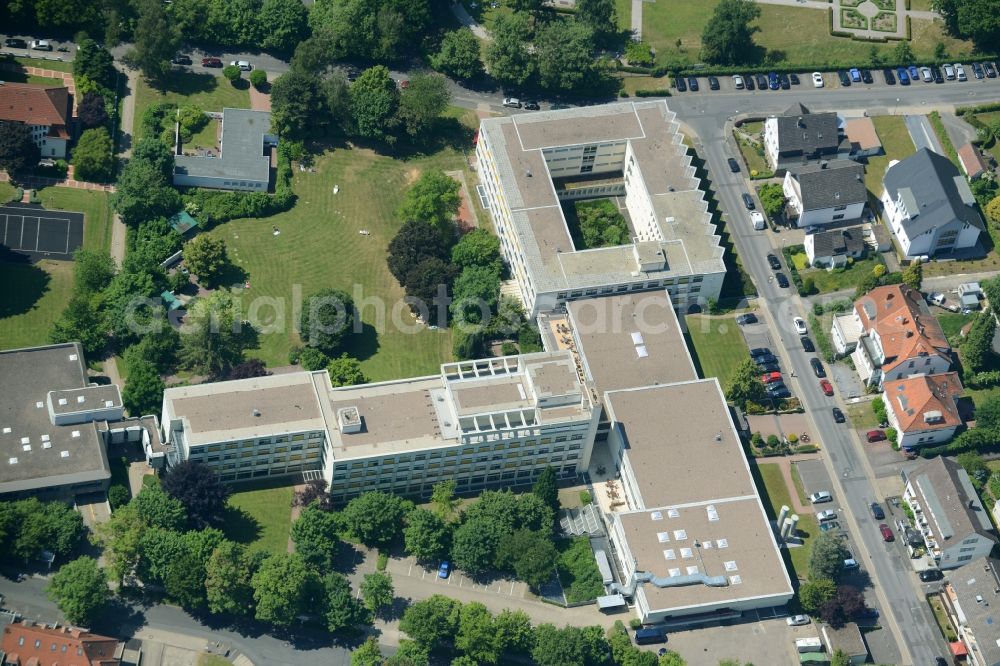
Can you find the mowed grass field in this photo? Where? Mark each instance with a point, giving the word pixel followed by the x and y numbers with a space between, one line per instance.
pixel 897 143
pixel 211 93
pixel 34 295
pixel 716 344
pixel 778 494
pixel 320 247
pixel 260 519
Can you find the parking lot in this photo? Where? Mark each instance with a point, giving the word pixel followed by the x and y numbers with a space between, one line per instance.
pixel 409 567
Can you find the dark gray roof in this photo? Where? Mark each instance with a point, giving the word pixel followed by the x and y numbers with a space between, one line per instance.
pixel 932 184
pixel 800 131
pixel 831 184
pixel 838 242
pixel 242 150
pixel 31 447
pixel 975 585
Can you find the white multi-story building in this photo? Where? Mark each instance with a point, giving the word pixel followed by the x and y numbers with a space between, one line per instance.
pixel 948 512
pixel 488 423
pixel 799 136
pixel 528 164
pixel 46 110
pixel 825 193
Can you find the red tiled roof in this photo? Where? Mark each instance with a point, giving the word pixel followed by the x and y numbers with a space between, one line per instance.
pixel 34 105
pixel 971 160
pixel 905 327
pixel 914 397
pixel 27 644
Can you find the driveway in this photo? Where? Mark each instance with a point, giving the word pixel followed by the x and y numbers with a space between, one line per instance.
pixel 922 133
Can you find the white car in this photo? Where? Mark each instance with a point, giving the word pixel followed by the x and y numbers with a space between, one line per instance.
pixel 960 72
pixel 820 497
pixel 851 564
pixel 757 220
pixel 926 74
pixel 242 64
pixel 823 516
pixel 817 79
pixel 949 72
pixel 800 326
pixel 41 45
pixel 512 102
pixel 738 81
pixel 797 620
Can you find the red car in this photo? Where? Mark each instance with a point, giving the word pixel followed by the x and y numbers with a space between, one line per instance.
pixel 826 386
pixel 887 534
pixel 875 436
pixel 771 377
pixel 211 62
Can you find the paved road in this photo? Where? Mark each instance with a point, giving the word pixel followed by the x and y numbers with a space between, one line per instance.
pixel 922 133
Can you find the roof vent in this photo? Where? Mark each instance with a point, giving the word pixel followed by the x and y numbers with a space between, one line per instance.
pixel 73 357
pixel 62 402
pixel 349 420
pixel 64 454
pixel 255 411
pixel 80 398
pixel 11 461
pixel 527 173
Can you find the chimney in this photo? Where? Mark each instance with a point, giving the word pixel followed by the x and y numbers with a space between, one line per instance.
pixel 800 123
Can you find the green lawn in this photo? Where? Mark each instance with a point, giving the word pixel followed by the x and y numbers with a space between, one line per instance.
pixel 211 93
pixel 320 247
pixel 716 345
pixel 95 207
pixel 206 659
pixel 55 65
pixel 952 323
pixel 861 415
pixel 623 12
pixel 837 279
pixel 20 77
pixel 897 143
pixel 260 518
pixel 207 138
pixel 776 494
pixel 7 192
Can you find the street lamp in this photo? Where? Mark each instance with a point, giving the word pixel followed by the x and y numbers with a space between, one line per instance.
pixel 897 107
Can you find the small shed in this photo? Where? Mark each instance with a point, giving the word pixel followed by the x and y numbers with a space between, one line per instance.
pixel 972 161
pixel 969 294
pixel 611 602
pixel 184 224
pixel 171 301
pixel 848 639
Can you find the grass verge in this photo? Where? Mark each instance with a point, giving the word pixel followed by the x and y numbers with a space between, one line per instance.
pixel 578 572
pixel 777 495
pixel 55 65
pixel 897 144
pixel 942 135
pixel 800 489
pixel 260 519
pixel 716 345
pixel 839 278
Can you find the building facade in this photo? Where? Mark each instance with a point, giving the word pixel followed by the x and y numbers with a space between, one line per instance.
pixel 924 408
pixel 972 598
pixel 798 136
pixel 825 193
pixel 46 110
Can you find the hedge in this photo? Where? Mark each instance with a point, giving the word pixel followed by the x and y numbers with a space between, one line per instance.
pixel 822 341
pixel 663 92
pixel 806 448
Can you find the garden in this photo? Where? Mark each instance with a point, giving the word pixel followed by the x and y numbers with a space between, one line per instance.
pixel 260 519
pixel 716 345
pixel 595 223
pixel 852 18
pixel 205 91
pixel 885 22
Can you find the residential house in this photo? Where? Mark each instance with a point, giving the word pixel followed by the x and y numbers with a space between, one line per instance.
pixel 929 206
pixel 972 599
pixel 29 644
pixel 948 512
pixel 47 110
pixel 847 639
pixel 924 408
pixel 831 249
pixel 825 192
pixel 861 134
pixel 799 136
pixel 892 335
pixel 244 159
pixel 972 161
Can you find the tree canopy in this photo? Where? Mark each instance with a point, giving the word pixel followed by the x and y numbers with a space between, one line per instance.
pixel 433 199
pixel 374 102
pixel 327 317
pixel 728 36
pixel 426 536
pixel 459 55
pixel 92 157
pixel 215 336
pixel 206 257
pixel 18 151
pixel 80 590
pixel 199 489
pixel 284 587
pixel 376 518
pixel 744 384
pixel 826 559
pixel 315 536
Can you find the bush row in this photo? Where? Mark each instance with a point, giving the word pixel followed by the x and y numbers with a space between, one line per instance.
pixel 662 92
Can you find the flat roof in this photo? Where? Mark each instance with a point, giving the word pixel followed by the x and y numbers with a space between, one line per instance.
pixel 631 339
pixel 34 453
pixel 690 242
pixel 241 153
pixel 87 398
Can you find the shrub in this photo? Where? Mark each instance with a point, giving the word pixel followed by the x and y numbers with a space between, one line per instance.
pixel 638 53
pixel 383 558
pixel 232 72
pixel 118 495
pixel 258 78
pixel 586 499
pixel 891 435
pixel 508 349
pixel 792 439
pixel 806 448
pixel 635 623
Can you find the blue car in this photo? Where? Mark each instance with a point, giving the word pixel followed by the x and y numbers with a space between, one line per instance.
pixel 444 569
pixel 856 75
pixel 913 72
pixel 772 81
pixel 903 76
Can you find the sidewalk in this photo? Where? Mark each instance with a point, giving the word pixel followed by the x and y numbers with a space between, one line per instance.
pixel 463 17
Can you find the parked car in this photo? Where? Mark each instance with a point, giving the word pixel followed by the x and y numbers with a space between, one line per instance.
pixel 713 83
pixel 774 262
pixel 784 81
pixel 734 166
pixel 444 569
pixel 913 72
pixel 850 564
pixel 800 325
pixel 680 84
pixel 761 82
pixel 903 76
pixel 817 367
pixel 772 81
pixel 771 377
pixel 828 514
pixel 15 43
pixel 877 511
pixel 761 351
pixel 794 78
pixel 244 65
pixel 781 279
pixel 855 75
pixel 748 82
pixel 512 102
pixel 41 45
pixel 820 497
pixel 838 416
pixel 960 72
pixel 748 318
pixel 829 526
pixel 817 79
pixel 768 366
pixel 748 201
pixel 991 72
pixel 532 106
pixel 693 83
pixel 887 534
pixel 807 344
pixel 757 220
pixel 181 59
pixel 845 79
pixel 977 70
pixel 890 78
pixel 826 387
pixel 797 620
pixel 949 72
pixel 866 76
pixel 875 436
pixel 931 575
pixel 938 76
pixel 926 74
pixel 211 62
pixel 738 82
pixel 778 391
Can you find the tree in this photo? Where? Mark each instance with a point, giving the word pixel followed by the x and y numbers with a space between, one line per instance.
pixel 993 210
pixel 143 392
pixel 375 518
pixel 840 658
pixel 81 321
pixel 826 560
pixel 913 275
pixel 976 347
pixel 988 414
pixel 155 508
pixel 432 622
pixel 228 579
pixel 374 103
pixel 535 562
pixel 216 336
pixel 507 57
pixel 598 14
pixel 815 592
pixel 92 270
pixel 315 537
pixel 569 646
pixel 377 591
pixel 295 98
pixel 286 22
pixel 199 489
pixel 564 51
pixel 547 489
pixel 154 152
pixel 258 77
pixel 143 193
pixel 443 499
pixel 95 63
pixel 476 636
pixel 772 199
pixel 346 371
pixel 205 256
pixel 902 53
pixel 433 199
pixel 156 40
pixel 314 492
pixel 745 385
pixel 459 56
pixel 975 466
pixel 253 367
pixel 477 248
pixel 672 658
pixel 312 359
pixel 851 600
pixel 728 36
pixel 118 496
pixel 92 157
pixel 91 110
pixel 283 588
pixel 327 316
pixel 426 536
pixel 422 102
pixel 416 241
pixel 513 630
pixel 18 151
pixel 410 653
pixel 232 73
pixel 343 609
pixel 80 590
pixel 475 293
pixel 368 654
